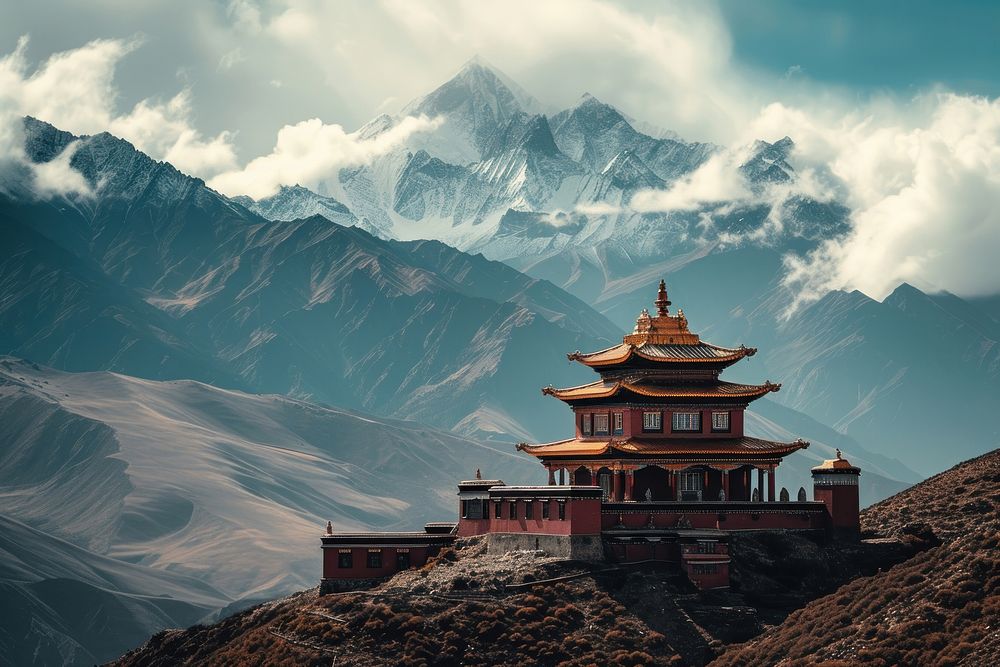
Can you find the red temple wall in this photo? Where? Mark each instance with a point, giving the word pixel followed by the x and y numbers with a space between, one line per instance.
pixel 583 517
pixel 470 527
pixel 360 569
pixel 842 503
pixel 748 520
pixel 632 424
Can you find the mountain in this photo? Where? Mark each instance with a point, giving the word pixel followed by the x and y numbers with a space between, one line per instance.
pixel 594 133
pixel 920 589
pixel 64 605
pixel 874 371
pixel 228 487
pixel 473 104
pixel 304 307
pixel 296 203
pixel 936 608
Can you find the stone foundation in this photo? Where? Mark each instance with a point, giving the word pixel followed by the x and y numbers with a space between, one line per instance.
pixel 575 547
pixel 342 585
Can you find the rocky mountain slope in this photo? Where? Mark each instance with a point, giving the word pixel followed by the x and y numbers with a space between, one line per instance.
pixel 470 607
pixel 939 607
pixel 213 291
pixel 909 596
pixel 64 605
pixel 220 485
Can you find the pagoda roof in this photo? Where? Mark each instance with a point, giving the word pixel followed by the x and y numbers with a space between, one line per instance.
pixel 664 339
pixel 696 353
pixel 604 389
pixel 639 447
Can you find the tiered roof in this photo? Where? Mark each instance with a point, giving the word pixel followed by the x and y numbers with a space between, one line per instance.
pixel 625 390
pixel 664 340
pixel 680 447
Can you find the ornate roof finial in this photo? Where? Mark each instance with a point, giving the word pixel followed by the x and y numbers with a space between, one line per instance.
pixel 479 475
pixel 840 454
pixel 329 528
pixel 662 302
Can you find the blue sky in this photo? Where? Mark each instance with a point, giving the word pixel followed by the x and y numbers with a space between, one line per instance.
pixel 904 45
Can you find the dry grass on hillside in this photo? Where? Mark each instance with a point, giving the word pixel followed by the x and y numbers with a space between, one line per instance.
pixel 941 607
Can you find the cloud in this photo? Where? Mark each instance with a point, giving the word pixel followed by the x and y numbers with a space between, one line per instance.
pixel 717 180
pixel 57 177
pixel 598 208
pixel 924 200
pixel 164 130
pixel 75 91
pixel 311 152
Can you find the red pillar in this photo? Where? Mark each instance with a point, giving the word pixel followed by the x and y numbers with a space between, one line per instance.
pixel 725 484
pixel 617 487
pixel 562 476
pixel 675 493
pixel 760 483
pixel 629 483
pixel 552 476
pixel 770 485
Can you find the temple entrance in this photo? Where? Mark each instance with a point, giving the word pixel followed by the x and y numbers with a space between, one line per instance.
pixel 605 481
pixel 581 477
pixel 651 483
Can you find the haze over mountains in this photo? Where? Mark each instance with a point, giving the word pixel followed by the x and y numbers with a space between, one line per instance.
pixel 553 195
pixel 211 378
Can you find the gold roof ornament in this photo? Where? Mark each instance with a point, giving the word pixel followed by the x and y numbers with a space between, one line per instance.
pixel 839 463
pixel 664 329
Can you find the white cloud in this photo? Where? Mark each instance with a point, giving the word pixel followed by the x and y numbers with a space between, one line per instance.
pixel 57 177
pixel 924 199
pixel 164 130
pixel 231 59
pixel 717 180
pixel 74 90
pixel 598 208
pixel 311 152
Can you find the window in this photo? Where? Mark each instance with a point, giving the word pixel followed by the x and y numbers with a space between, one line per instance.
pixel 686 421
pixel 705 547
pixel 585 424
pixel 474 509
pixel 604 480
pixel 600 424
pixel 402 559
pixel 345 559
pixel 545 509
pixel 562 510
pixel 618 423
pixel 704 569
pixel 496 509
pixel 720 421
pixel 513 509
pixel 691 481
pixel 652 421
pixel 374 558
pixel 529 509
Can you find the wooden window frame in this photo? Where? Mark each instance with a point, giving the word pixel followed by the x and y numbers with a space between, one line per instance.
pixel 602 417
pixel 729 421
pixel 586 424
pixel 618 423
pixel 656 413
pixel 695 416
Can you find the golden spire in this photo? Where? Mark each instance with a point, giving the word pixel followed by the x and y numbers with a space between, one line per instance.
pixel 662 302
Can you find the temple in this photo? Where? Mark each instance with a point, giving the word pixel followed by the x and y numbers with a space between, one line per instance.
pixel 658 469
pixel 659 424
